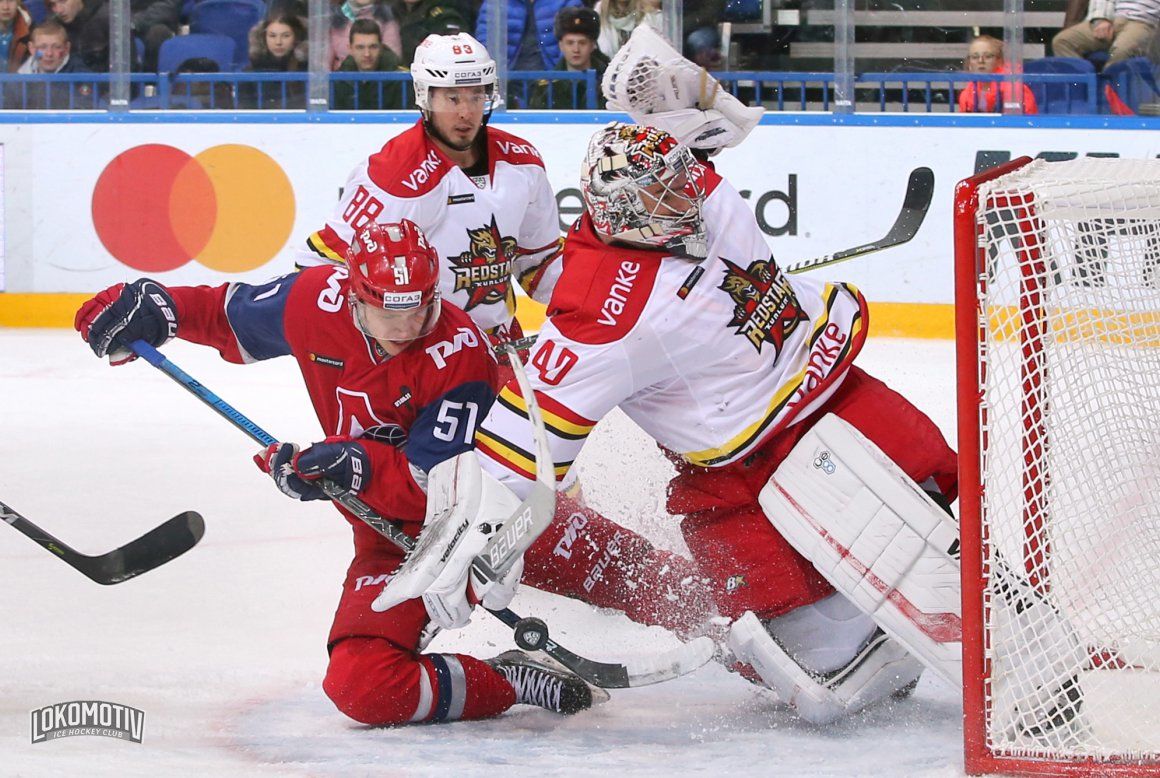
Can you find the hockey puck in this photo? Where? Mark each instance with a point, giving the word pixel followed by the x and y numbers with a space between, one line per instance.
pixel 531 633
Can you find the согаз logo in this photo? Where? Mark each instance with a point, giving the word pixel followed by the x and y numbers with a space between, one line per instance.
pixel 230 207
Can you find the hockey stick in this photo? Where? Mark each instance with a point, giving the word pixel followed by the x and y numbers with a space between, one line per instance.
pixel 537 510
pixel 153 549
pixel 530 633
pixel 919 191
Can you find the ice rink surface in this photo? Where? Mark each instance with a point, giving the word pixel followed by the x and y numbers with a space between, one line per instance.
pixel 224 648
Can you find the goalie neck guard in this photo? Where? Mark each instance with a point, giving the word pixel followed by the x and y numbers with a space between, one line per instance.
pixel 642 187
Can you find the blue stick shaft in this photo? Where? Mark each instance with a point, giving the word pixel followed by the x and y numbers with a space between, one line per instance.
pixel 223 408
pixel 385 527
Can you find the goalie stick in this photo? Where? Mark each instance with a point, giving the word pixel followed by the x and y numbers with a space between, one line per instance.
pixel 530 633
pixel 153 549
pixel 919 191
pixel 538 509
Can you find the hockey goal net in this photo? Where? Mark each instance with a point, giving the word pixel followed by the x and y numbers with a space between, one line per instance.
pixel 1058 329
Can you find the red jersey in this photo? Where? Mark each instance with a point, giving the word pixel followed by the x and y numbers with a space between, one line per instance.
pixel 411 411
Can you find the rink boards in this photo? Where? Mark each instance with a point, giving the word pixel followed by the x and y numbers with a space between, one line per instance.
pixel 89 200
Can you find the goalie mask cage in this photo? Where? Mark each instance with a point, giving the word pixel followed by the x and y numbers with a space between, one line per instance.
pixel 1058 335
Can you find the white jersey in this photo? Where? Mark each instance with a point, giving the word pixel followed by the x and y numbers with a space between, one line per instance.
pixel 711 359
pixel 486 229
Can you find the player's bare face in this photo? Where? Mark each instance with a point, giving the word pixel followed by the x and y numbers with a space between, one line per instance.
pixel 457 114
pixel 393 330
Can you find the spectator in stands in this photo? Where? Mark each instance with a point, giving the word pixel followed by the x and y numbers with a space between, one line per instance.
pixel 200 95
pixel 87 23
pixel 618 18
pixel 350 11
pixel 154 22
pixel 702 40
pixel 420 18
pixel 368 54
pixel 1123 28
pixel 531 44
pixel 985 55
pixel 51 52
pixel 15 24
pixel 577 30
pixel 275 48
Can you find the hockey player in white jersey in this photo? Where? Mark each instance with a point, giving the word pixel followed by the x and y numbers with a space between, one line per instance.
pixel 671 309
pixel 482 198
pixel 480 194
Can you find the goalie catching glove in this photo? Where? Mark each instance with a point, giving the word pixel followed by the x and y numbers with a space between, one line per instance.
pixel 298 473
pixel 121 314
pixel 465 507
pixel 658 87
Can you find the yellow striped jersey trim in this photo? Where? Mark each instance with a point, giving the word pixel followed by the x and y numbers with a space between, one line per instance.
pixel 556 424
pixel 712 456
pixel 517 458
pixel 318 246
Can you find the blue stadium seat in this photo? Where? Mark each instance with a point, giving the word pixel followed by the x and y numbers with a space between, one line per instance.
pixel 1134 80
pixel 37 9
pixel 1059 97
pixel 233 18
pixel 1098 58
pixel 220 48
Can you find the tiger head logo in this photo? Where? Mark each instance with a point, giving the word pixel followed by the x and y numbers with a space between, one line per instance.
pixel 765 309
pixel 485 269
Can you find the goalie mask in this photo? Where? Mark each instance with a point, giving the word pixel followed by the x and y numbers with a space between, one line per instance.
pixel 394 282
pixel 641 186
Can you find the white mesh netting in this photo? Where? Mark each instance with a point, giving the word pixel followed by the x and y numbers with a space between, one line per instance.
pixel 1070 367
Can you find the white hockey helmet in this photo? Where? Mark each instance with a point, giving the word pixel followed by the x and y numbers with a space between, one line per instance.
pixel 642 186
pixel 450 60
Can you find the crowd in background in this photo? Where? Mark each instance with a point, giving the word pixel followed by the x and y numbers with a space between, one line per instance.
pixel 380 36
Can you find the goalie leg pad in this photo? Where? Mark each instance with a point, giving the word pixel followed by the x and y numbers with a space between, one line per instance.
pixel 880 668
pixel 875 536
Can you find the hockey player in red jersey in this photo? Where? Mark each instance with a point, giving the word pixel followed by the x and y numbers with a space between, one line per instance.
pixel 671 308
pixel 398 379
pixel 479 193
pixel 482 197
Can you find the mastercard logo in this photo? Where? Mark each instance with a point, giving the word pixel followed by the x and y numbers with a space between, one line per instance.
pixel 230 207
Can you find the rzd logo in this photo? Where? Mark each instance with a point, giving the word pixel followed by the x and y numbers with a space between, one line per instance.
pixel 230 207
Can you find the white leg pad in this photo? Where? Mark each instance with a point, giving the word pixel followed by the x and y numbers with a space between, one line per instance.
pixel 875 536
pixel 880 669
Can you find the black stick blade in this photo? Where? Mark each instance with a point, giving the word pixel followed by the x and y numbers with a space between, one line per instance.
pixel 159 545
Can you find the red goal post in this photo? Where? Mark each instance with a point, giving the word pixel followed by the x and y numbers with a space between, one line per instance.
pixel 1057 276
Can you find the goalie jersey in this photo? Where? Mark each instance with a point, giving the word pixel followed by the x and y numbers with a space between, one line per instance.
pixel 487 228
pixel 711 359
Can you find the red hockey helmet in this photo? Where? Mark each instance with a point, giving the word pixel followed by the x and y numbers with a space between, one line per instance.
pixel 394 281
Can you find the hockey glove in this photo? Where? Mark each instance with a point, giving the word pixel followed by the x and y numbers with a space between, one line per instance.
pixel 345 462
pixel 142 310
